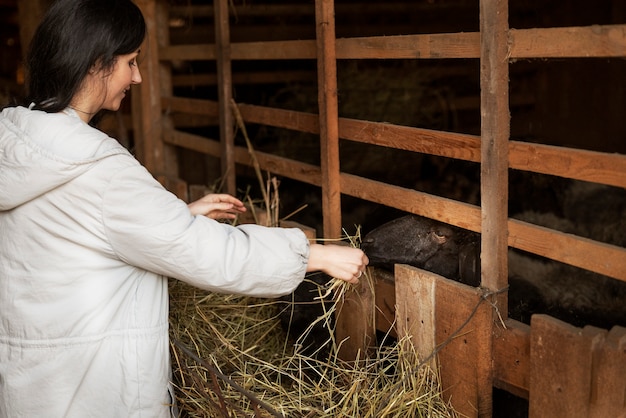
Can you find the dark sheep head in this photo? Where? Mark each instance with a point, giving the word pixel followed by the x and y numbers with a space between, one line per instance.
pixel 428 244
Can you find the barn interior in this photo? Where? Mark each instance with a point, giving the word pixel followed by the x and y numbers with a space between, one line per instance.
pixel 573 102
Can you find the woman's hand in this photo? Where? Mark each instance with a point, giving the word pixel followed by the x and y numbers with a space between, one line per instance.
pixel 338 261
pixel 217 206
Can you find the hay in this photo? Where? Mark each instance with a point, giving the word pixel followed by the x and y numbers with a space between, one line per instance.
pixel 233 359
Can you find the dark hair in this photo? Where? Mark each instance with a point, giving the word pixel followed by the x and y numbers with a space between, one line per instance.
pixel 74 36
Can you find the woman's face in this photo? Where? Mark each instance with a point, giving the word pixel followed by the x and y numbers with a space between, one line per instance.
pixel 125 73
pixel 106 88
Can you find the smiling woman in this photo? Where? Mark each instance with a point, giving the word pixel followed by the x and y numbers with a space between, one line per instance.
pixel 104 89
pixel 89 237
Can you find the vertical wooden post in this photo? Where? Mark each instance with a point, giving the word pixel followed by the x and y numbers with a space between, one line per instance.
pixel 495 130
pixel 225 95
pixel 328 116
pixel 146 98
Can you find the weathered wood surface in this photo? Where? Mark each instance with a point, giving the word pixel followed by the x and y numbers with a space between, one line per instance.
pixel 443 315
pixel 552 356
pixel 328 117
pixel 576 372
pixel 494 166
pixel 415 312
pixel 511 358
pixel 355 330
pixel 584 42
pixel 146 98
pixel 225 95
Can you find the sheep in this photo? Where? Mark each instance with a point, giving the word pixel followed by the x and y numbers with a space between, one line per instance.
pixel 536 285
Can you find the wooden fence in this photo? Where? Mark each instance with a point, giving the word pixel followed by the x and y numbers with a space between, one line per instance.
pixel 563 371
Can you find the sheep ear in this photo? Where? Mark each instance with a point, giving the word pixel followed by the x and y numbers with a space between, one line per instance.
pixel 469 264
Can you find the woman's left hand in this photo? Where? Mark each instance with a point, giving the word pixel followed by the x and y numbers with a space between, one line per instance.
pixel 217 206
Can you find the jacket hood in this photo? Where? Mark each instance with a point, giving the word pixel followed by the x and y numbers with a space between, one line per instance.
pixel 40 151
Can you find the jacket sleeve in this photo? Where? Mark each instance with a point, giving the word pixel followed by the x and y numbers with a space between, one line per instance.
pixel 150 228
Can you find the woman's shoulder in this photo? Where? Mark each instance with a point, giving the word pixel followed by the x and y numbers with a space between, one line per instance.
pixel 62 135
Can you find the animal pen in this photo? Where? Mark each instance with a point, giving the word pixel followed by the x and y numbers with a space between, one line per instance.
pixel 562 370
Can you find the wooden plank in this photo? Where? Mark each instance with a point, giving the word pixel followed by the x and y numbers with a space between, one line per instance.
pixel 146 104
pixel 189 105
pixel 193 52
pixel 279 50
pixel 445 144
pixel 569 163
pixel 568 42
pixel 257 77
pixel 415 312
pixel 589 41
pixel 495 132
pixel 511 358
pixel 328 117
pixel 225 95
pixel 446 210
pixel 355 328
pixel 449 45
pixel 561 368
pixel 463 324
pixel 602 258
pixel 280 118
pixel 385 301
pixel 251 9
pixel 169 156
pixel 608 398
pixel 192 142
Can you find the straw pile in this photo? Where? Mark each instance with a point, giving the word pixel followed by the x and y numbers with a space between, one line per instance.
pixel 233 359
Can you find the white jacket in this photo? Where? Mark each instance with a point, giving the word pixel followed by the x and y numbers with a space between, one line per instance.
pixel 87 241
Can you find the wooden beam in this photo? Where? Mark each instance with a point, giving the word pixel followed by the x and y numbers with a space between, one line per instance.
pixel 589 41
pixel 146 106
pixel 570 42
pixel 225 95
pixel 328 117
pixel 495 131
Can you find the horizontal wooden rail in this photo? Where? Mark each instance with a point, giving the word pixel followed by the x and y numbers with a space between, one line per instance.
pixel 597 167
pixel 308 9
pixel 599 41
pixel 587 41
pixel 256 77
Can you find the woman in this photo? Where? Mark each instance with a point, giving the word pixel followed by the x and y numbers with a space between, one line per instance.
pixel 89 237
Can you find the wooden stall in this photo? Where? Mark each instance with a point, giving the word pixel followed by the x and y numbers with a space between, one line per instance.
pixel 560 369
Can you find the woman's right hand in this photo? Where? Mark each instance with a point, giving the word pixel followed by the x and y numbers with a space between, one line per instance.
pixel 338 261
